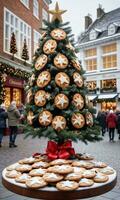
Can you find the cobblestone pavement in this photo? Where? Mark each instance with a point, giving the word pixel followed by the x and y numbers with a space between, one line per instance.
pixel 103 151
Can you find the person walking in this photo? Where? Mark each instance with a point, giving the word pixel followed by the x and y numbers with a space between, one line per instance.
pixel 111 123
pixel 3 117
pixel 13 120
pixel 101 117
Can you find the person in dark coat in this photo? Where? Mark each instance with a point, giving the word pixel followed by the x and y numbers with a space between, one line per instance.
pixel 118 124
pixel 3 117
pixel 13 121
pixel 101 117
pixel 112 123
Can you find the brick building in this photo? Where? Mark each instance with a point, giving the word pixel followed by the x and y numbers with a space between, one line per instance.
pixel 24 18
pixel 100 55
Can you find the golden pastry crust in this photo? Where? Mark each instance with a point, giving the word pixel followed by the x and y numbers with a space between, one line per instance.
pixel 67 185
pixel 22 178
pixel 107 170
pixel 37 172
pixel 61 101
pixel 12 174
pixel 60 61
pixel 29 160
pixel 12 167
pixel 85 182
pixel 78 120
pixel 45 118
pixel 30 117
pixel 49 46
pixel 73 176
pixel 41 62
pixel 40 164
pixel 40 98
pixel 101 178
pixel 60 162
pixel 58 34
pixel 98 164
pixel 78 101
pixel 78 80
pixel 89 119
pixel 59 123
pixel 23 168
pixel 43 79
pixel 36 182
pixel 62 80
pixel 76 64
pixel 52 177
pixel 84 164
pixel 88 174
pixel 62 169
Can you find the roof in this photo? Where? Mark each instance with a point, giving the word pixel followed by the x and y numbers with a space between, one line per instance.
pixel 101 24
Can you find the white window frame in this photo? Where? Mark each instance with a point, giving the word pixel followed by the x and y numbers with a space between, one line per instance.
pixel 36 8
pixel 36 38
pixel 26 35
pixel 25 3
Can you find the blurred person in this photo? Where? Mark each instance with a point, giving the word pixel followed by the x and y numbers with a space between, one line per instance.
pixel 3 117
pixel 111 123
pixel 101 117
pixel 13 121
pixel 118 123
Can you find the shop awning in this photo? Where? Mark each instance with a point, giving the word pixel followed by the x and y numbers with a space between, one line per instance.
pixel 92 97
pixel 107 96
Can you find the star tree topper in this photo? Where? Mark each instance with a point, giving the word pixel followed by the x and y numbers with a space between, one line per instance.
pixel 57 13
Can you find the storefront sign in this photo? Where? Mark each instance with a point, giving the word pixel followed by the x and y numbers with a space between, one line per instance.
pixel 14 82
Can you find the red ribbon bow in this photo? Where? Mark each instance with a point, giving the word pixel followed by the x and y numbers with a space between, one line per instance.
pixel 62 151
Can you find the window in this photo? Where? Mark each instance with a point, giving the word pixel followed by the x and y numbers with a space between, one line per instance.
pixel 108 105
pixel 25 2
pixel 90 52
pixel 36 8
pixel 109 61
pixel 108 84
pixel 91 65
pixel 21 29
pixel 44 16
pixel 92 35
pixel 91 85
pixel 37 37
pixel 109 48
pixel 111 29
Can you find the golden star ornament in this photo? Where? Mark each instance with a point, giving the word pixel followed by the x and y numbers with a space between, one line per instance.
pixel 57 13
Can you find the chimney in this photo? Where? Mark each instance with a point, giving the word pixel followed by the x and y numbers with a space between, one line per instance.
pixel 88 21
pixel 100 11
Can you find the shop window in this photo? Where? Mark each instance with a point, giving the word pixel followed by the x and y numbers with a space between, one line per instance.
pixel 91 85
pixel 7 97
pixel 109 61
pixel 108 85
pixel 17 96
pixel 109 48
pixel 108 105
pixel 91 64
pixel 90 52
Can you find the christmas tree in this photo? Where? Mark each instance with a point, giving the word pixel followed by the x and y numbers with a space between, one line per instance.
pixel 25 55
pixel 13 48
pixel 57 104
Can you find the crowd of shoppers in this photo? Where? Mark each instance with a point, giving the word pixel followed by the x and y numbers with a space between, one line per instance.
pixel 109 121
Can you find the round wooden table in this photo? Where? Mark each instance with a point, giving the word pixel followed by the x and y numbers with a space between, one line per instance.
pixel 50 193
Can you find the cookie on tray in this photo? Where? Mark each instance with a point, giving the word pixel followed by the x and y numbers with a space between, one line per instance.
pixel 29 160
pixel 52 177
pixel 73 176
pixel 67 185
pixel 22 178
pixel 85 182
pixel 40 164
pixel 107 170
pixel 23 168
pixel 84 156
pixel 99 164
pixel 12 174
pixel 84 164
pixel 37 172
pixel 36 182
pixel 60 162
pixel 12 167
pixel 79 170
pixel 89 174
pixel 62 169
pixel 100 178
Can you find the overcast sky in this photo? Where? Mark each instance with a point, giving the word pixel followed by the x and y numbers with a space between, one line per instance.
pixel 77 9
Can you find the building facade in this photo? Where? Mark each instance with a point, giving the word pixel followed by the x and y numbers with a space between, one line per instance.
pixel 24 18
pixel 100 55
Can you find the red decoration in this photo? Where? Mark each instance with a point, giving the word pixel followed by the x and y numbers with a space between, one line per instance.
pixel 62 151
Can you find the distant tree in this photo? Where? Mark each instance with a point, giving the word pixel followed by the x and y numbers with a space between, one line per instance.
pixel 25 55
pixel 13 47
